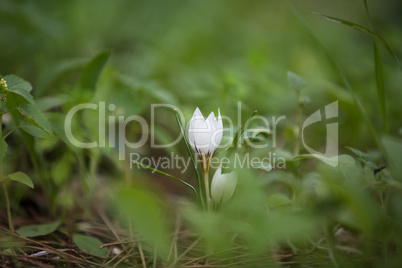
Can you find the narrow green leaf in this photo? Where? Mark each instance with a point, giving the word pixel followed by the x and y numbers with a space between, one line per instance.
pixel 37 116
pixel 22 178
pixel 193 160
pixel 93 69
pixel 342 76
pixel 171 176
pixel 38 229
pixel 90 245
pixel 14 82
pixel 358 153
pixel 296 82
pixel 3 148
pixel 363 29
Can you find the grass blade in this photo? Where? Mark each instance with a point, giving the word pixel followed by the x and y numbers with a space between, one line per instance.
pixel 380 85
pixel 335 65
pixel 364 30
pixel 379 76
pixel 171 176
pixel 193 160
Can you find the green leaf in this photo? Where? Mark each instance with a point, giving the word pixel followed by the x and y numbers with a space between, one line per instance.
pixel 15 82
pixel 47 103
pixel 193 160
pixel 38 229
pixel 22 178
pixel 393 149
pixel 25 94
pixel 358 153
pixel 93 69
pixel 296 82
pixel 171 176
pixel 31 129
pixel 3 148
pixel 37 116
pixel 90 245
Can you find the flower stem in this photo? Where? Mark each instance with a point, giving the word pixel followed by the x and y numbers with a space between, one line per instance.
pixel 207 193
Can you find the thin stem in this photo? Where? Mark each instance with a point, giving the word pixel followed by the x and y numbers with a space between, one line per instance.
pixel 11 131
pixel 299 123
pixel 192 157
pixel 207 192
pixel 10 220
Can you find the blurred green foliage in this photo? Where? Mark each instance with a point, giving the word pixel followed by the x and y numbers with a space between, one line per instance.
pixel 213 54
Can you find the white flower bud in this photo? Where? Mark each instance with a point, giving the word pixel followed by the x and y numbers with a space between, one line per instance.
pixel 223 186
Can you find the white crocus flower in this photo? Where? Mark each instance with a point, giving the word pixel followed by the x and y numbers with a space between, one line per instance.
pixel 223 186
pixel 205 135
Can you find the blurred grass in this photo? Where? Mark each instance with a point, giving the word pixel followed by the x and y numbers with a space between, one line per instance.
pixel 213 54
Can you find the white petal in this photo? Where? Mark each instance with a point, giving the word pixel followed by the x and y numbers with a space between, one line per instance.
pixel 201 131
pixel 197 112
pixel 212 119
pixel 218 132
pixel 197 115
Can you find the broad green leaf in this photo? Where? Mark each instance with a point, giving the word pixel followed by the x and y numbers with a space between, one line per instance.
pixel 23 93
pixel 22 178
pixel 37 116
pixel 296 82
pixel 93 69
pixel 31 129
pixel 393 149
pixel 47 103
pixel 38 229
pixel 90 245
pixel 15 82
pixel 3 148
